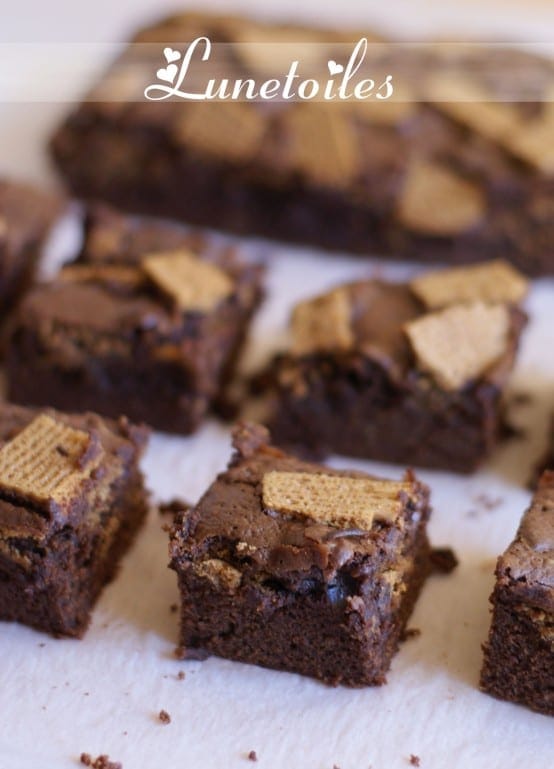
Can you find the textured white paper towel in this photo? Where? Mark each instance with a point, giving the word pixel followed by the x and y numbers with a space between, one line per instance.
pixel 102 695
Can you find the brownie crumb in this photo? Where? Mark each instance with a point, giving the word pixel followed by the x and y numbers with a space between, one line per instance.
pixel 443 560
pixel 415 760
pixel 409 633
pixel 252 756
pixel 164 717
pixel 173 608
pixel 101 762
pixel 181 675
pixel 487 502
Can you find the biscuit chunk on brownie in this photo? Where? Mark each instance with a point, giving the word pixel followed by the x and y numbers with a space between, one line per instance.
pixel 148 322
pixel 412 373
pixel 519 653
pixel 295 566
pixel 71 501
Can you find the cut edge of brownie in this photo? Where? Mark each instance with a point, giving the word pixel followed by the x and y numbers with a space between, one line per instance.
pixel 518 654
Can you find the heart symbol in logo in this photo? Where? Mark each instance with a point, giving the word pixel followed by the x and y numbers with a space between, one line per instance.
pixel 171 55
pixel 334 68
pixel 168 74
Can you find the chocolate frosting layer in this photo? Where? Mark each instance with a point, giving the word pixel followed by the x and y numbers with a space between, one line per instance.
pixel 230 521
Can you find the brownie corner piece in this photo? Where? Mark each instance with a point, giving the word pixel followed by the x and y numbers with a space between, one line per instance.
pixel 148 322
pixel 26 216
pixel 411 373
pixel 519 653
pixel 294 566
pixel 72 499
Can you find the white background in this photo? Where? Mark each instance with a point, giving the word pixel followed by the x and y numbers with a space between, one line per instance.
pixel 102 694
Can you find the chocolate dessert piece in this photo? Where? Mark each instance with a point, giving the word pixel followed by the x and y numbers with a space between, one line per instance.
pixel 408 373
pixel 298 567
pixel 141 325
pixel 26 215
pixel 453 167
pixel 519 653
pixel 71 501
pixel 547 461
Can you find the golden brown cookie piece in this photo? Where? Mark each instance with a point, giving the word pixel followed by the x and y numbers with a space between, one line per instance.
pixel 231 131
pixel 221 574
pixel 193 284
pixel 459 343
pixel 334 500
pixel 437 201
pixel 322 144
pixel 47 462
pixel 323 323
pixel 493 282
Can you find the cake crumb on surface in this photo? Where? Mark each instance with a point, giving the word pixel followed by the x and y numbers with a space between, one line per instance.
pixel 252 756
pixel 164 717
pixel 181 675
pixel 101 762
pixel 443 560
pixel 415 760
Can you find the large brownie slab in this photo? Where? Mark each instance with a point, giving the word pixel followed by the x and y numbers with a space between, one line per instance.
pixel 296 566
pixel 456 169
pixel 71 501
pixel 519 653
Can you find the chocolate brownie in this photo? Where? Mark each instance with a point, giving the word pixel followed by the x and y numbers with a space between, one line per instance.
pixel 547 460
pixel 26 215
pixel 453 168
pixel 408 373
pixel 519 653
pixel 295 566
pixel 71 501
pixel 141 325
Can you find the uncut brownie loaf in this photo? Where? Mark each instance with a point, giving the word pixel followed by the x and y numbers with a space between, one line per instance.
pixel 453 169
pixel 298 567
pixel 26 215
pixel 71 501
pixel 148 323
pixel 408 373
pixel 519 653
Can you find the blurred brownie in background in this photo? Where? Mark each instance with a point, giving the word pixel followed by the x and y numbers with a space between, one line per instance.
pixel 26 216
pixel 454 167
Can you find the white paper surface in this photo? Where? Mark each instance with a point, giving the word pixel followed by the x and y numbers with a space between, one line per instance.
pixel 102 694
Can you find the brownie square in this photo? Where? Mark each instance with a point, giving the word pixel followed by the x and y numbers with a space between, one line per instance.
pixel 26 215
pixel 519 653
pixel 149 323
pixel 298 567
pixel 456 167
pixel 408 373
pixel 71 501
pixel 547 460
